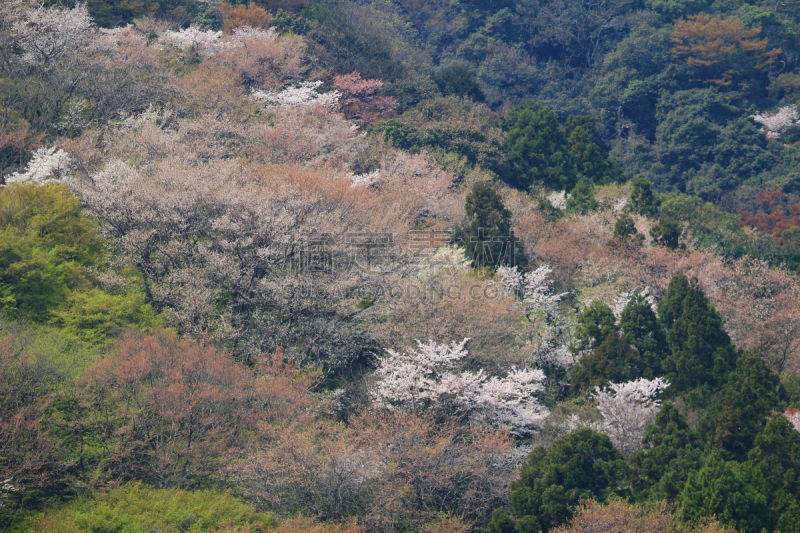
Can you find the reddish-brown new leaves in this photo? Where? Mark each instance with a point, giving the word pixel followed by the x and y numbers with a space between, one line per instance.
pixel 173 408
pixel 773 213
pixel 29 455
pixel 359 101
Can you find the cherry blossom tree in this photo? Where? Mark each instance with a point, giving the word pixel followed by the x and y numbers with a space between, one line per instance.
pixel 424 378
pixel 359 101
pixel 775 123
pixel 46 34
pixel 627 409
pixel 47 165
pixel 793 415
pixel 303 95
pixel 547 331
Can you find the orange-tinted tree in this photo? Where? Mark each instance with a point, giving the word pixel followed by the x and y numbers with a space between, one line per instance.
pixel 724 50
pixel 243 15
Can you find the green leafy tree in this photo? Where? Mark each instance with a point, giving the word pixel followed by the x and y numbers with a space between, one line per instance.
pixel 581 465
pixel 458 79
pixel 486 232
pixel 705 146
pixel 581 199
pixel 674 451
pixel 137 507
pixel 45 243
pixel 96 317
pixel 501 522
pixel 539 152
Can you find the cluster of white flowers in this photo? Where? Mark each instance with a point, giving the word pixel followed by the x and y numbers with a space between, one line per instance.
pixel 47 165
pixel 423 378
pixel 534 287
pixel 364 180
pixel 45 34
pixel 151 115
pixel 558 200
pixel 627 410
pixel 775 123
pixel 304 95
pixel 244 34
pixel 550 330
pixel 207 42
pixel 621 301
pixel 794 418
pixel 621 204
pixel 449 259
pixel 5 488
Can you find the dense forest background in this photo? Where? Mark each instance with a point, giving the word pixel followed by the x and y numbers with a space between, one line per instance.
pixel 399 266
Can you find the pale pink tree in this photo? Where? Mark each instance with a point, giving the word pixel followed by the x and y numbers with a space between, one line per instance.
pixel 626 409
pixel 425 378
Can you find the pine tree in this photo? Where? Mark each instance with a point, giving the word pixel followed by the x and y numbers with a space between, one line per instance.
pixel 701 352
pixel 595 324
pixel 667 233
pixel 578 466
pixel 486 233
pixel 739 411
pixel 590 158
pixel 643 331
pixel 501 522
pixel 775 465
pixel 723 490
pixel 625 232
pixel 674 452
pixel 611 360
pixel 538 150
pixel 670 308
pixel 643 199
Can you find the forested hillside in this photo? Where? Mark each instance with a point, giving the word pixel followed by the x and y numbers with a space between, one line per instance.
pixel 399 266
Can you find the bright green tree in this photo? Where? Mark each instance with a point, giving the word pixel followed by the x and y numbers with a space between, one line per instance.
pixel 45 243
pixel 581 199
